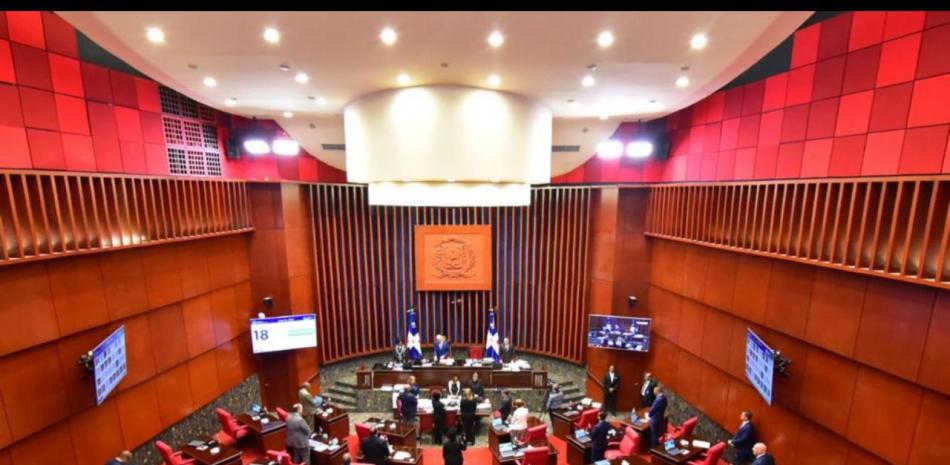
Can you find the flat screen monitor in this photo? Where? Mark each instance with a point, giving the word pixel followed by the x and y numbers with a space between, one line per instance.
pixel 283 333
pixel 618 332
pixel 109 364
pixel 759 365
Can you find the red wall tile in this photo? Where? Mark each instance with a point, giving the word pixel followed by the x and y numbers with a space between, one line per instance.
pixel 7 71
pixel 891 107
pixel 885 303
pixel 846 155
pixel 749 131
pixel 900 23
pixel 775 88
pixel 10 102
pixel 834 36
pixel 66 75
pixel 733 105
pixel 4 31
pixel 923 150
pixel 128 124
pixel 861 70
pixel 821 119
pixel 766 158
pixel 934 53
pixel 32 67
pixel 829 74
pixel 717 105
pixel 883 153
pixel 725 165
pixel 133 157
pixel 928 104
pixel 770 129
pixel 124 91
pixel 123 276
pixel 854 113
pixel 32 386
pixel 898 60
pixel 26 27
pixel 156 159
pixel 752 98
pixel 39 109
pixel 745 164
pixel 730 134
pixel 816 158
pixel 60 35
pixel 805 45
pixel 146 92
pixel 16 150
pixel 77 294
pixel 95 80
pixel 936 18
pixel 794 123
pixel 883 414
pixel 71 114
pixel 789 164
pixel 46 149
pixel 79 153
pixel 801 81
pixel 25 299
pixel 867 28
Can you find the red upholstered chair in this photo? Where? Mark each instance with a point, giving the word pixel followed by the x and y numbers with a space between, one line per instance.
pixel 361 431
pixel 281 457
pixel 628 446
pixel 171 457
pixel 588 418
pixel 537 432
pixel 233 432
pixel 426 424
pixel 281 413
pixel 534 456
pixel 476 352
pixel 398 413
pixel 451 419
pixel 712 455
pixel 435 389
pixel 684 430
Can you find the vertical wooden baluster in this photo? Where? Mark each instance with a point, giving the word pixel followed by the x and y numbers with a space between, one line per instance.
pixel 16 217
pixel 911 221
pixel 116 209
pixel 850 222
pixel 879 220
pixel 77 237
pixel 824 221
pixel 893 230
pixel 4 242
pixel 46 233
pixel 941 258
pixel 28 206
pixel 925 244
pixel 59 214
pixel 864 216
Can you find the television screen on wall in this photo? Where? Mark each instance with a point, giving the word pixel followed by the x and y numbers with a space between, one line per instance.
pixel 618 332
pixel 283 333
pixel 109 364
pixel 759 365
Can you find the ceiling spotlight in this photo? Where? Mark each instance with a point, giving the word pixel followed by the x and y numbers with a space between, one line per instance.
pixel 603 117
pixel 231 101
pixel 698 42
pixel 495 39
pixel 288 114
pixel 256 146
pixel 494 80
pixel 284 67
pixel 605 39
pixel 403 79
pixel 321 101
pixel 592 67
pixel 210 81
pixel 682 81
pixel 575 104
pixel 155 35
pixel 271 35
pixel 302 78
pixel 285 147
pixel 639 149
pixel 388 36
pixel 588 81
pixel 610 149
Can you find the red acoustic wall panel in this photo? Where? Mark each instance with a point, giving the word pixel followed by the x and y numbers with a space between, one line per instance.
pixel 46 149
pixel 26 27
pixel 66 74
pixel 32 67
pixel 59 35
pixel 39 109
pixel 7 70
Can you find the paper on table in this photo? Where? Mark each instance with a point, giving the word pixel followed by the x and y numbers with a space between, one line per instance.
pixel 318 446
pixel 401 455
pixel 701 444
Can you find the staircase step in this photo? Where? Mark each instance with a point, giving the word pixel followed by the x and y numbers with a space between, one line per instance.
pixel 346 384
pixel 341 395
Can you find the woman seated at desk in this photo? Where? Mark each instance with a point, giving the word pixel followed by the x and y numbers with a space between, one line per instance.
pixel 519 418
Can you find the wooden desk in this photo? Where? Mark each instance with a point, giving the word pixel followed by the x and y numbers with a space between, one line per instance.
pixel 498 460
pixel 498 436
pixel 226 456
pixel 397 433
pixel 579 453
pixel 658 455
pixel 632 460
pixel 329 457
pixel 269 436
pixel 336 424
pixel 642 428
pixel 416 458
pixel 562 421
pixel 440 375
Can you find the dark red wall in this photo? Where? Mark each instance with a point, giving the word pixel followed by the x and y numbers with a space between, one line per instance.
pixel 867 93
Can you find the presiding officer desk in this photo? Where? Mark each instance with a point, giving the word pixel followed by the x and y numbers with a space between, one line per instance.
pixel 491 375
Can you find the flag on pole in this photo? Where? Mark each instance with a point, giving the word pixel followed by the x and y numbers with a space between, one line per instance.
pixel 412 340
pixel 491 341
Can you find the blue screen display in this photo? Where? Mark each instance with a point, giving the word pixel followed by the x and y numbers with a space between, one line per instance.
pixel 759 363
pixel 619 332
pixel 110 363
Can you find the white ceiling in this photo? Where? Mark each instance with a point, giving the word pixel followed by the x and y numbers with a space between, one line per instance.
pixel 545 55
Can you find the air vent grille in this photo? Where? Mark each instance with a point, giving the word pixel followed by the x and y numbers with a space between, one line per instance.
pixel 334 146
pixel 565 148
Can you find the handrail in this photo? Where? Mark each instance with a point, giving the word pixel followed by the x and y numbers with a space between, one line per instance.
pixel 594 379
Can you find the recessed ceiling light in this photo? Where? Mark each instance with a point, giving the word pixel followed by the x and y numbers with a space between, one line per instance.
pixel 321 101
pixel 605 39
pixel 495 39
pixel 403 79
pixel 698 42
pixel 285 67
pixel 610 149
pixel 588 81
pixel 155 35
pixel 271 35
pixel 388 36
pixel 603 117
pixel 682 81
pixel 285 147
pixel 231 101
pixel 210 81
pixel 302 78
pixel 288 114
pixel 494 80
pixel 575 104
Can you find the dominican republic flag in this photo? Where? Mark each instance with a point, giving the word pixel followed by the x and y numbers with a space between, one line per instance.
pixel 491 341
pixel 412 340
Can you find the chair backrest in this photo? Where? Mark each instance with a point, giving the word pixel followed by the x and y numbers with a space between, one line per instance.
pixel 227 421
pixel 689 425
pixel 715 453
pixel 281 413
pixel 588 418
pixel 361 431
pixel 535 456
pixel 426 423
pixel 537 432
pixel 435 389
pixel 475 352
pixel 631 432
pixel 168 455
pixel 629 444
pixel 281 457
pixel 451 418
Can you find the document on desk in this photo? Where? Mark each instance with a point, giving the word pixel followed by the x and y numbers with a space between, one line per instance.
pixel 701 444
pixel 318 446
pixel 402 455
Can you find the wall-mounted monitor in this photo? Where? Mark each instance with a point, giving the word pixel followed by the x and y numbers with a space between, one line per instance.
pixel 618 332
pixel 109 364
pixel 283 333
pixel 759 365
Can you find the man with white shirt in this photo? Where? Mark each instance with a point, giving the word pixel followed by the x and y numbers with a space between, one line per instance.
pixel 455 387
pixel 646 393
pixel 744 439
pixel 611 385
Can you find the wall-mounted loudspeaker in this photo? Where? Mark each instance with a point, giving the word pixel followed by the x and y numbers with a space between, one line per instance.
pixel 631 300
pixel 233 147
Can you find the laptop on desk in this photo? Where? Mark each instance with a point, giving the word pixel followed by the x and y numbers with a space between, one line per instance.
pixel 582 436
pixel 670 446
pixel 506 450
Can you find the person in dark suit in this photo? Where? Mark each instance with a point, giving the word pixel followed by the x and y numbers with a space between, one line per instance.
pixel 507 351
pixel 611 385
pixel 646 392
pixel 744 439
pixel 555 399
pixel 413 386
pixel 375 449
pixel 124 458
pixel 409 406
pixel 476 386
pixel 441 347
pixel 505 408
pixel 467 409
pixel 438 418
pixel 598 437
pixel 298 436
pixel 657 417
pixel 400 353
pixel 452 450
pixel 762 455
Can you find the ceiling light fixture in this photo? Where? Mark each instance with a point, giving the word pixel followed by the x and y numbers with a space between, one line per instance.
pixel 231 101
pixel 403 79
pixel 639 149
pixel 210 82
pixel 605 39
pixel 388 36
pixel 256 146
pixel 288 114
pixel 271 35
pixel 682 81
pixel 610 149
pixel 495 39
pixel 575 104
pixel 699 41
pixel 588 81
pixel 494 80
pixel 321 101
pixel 302 78
pixel 284 67
pixel 285 147
pixel 155 35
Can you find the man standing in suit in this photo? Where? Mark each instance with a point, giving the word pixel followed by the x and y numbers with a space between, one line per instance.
pixel 611 384
pixel 298 436
pixel 598 437
pixel 476 386
pixel 505 408
pixel 744 439
pixel 646 393
pixel 375 449
pixel 555 399
pixel 441 348
pixel 400 353
pixel 507 351
pixel 410 405
pixel 762 456
pixel 657 417
pixel 309 402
